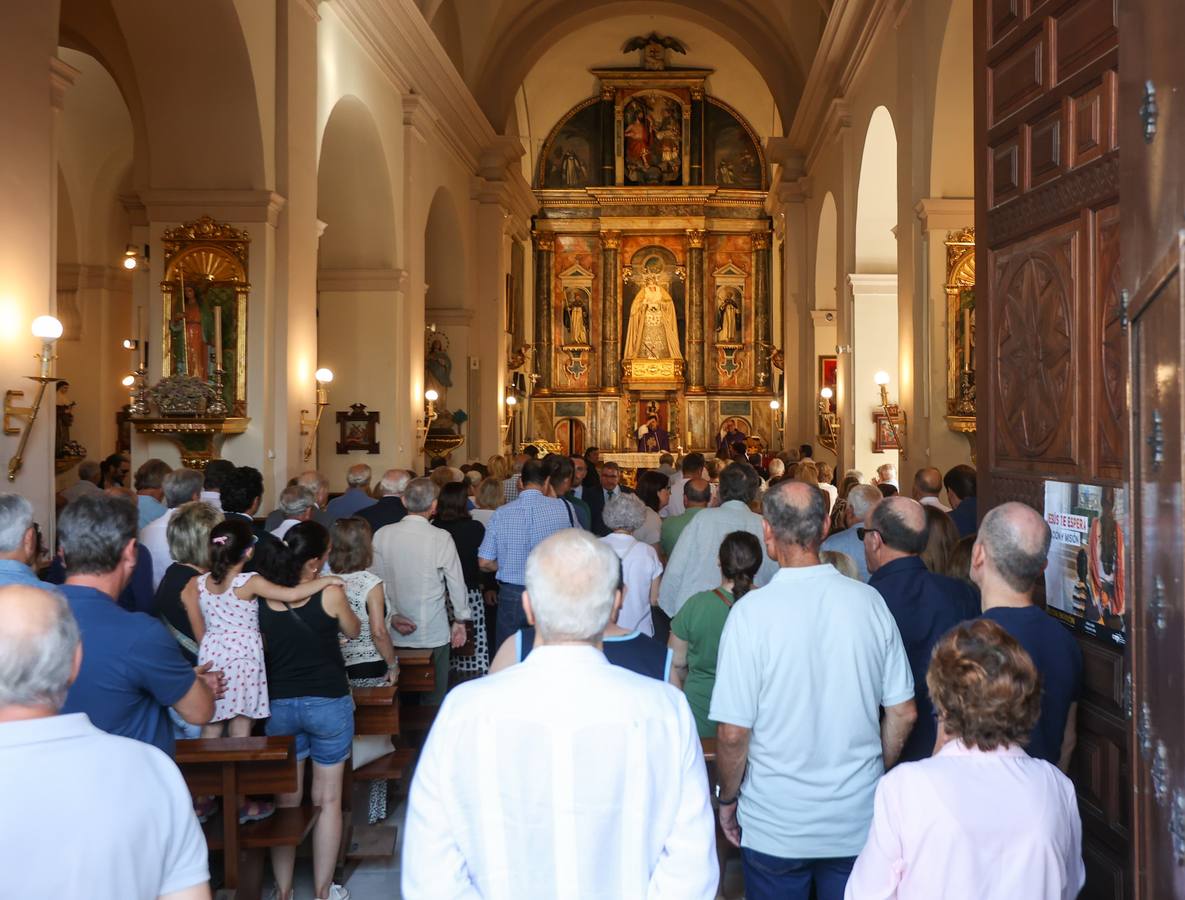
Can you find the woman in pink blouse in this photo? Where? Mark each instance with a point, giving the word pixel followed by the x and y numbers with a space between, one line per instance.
pixel 981 818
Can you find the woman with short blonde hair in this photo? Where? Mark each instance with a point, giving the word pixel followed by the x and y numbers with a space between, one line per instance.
pixel 488 498
pixel 189 545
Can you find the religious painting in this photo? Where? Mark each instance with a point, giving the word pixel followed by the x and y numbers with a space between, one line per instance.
pixel 652 139
pixel 732 156
pixel 885 431
pixel 652 306
pixel 829 378
pixel 359 430
pixel 572 154
pixel 204 307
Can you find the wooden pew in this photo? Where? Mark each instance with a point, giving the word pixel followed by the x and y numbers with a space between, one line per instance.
pixel 376 712
pixel 230 767
pixel 416 672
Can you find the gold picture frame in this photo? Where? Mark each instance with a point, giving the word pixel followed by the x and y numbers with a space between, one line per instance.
pixel 209 255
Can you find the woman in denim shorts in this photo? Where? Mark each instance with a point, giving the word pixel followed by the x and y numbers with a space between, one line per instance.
pixel 310 695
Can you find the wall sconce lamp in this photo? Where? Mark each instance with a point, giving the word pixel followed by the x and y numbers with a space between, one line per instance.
pixel 894 418
pixel 828 421
pixel 49 330
pixel 778 413
pixel 430 398
pixel 511 409
pixel 309 426
pixel 132 257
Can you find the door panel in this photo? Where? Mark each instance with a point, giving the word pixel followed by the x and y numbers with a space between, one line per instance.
pixel 1051 363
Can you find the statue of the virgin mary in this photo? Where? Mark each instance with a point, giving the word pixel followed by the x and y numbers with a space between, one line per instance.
pixel 653 332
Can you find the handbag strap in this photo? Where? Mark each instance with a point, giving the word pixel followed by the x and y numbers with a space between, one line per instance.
pixel 187 643
pixel 719 593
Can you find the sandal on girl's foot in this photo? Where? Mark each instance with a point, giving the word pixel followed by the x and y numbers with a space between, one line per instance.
pixel 255 810
pixel 204 807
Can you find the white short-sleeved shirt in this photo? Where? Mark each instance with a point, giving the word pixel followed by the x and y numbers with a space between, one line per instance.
pixel 639 568
pixel 95 815
pixel 806 662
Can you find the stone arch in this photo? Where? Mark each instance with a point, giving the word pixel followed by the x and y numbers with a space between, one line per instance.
pixel 354 197
pixel 952 153
pixel 826 255
pixel 876 197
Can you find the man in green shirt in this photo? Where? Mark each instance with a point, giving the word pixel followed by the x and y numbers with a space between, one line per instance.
pixel 697 494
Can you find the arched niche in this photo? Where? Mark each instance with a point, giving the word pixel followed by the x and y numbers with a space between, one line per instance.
pixel 444 254
pixel 354 197
pixel 876 197
pixel 952 154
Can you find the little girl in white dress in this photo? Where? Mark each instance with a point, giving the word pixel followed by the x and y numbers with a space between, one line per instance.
pixel 224 613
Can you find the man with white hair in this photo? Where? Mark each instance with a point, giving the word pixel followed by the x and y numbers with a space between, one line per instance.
pixel 357 496
pixel 18 541
pixel 601 790
pixel 1010 554
pixel 297 505
pixel 420 569
pixel 389 508
pixel 87 814
pixel 90 473
pixel 886 474
pixel 862 499
pixel 318 485
pixel 180 486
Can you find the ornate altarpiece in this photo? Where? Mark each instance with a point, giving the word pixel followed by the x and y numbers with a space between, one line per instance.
pixel 652 267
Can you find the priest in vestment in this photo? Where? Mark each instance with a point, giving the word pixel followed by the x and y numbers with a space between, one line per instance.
pixel 653 331
pixel 652 438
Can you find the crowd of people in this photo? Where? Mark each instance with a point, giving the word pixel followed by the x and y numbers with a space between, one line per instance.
pixel 891 712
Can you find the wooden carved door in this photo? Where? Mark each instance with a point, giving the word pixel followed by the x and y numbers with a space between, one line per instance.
pixel 1050 360
pixel 1152 128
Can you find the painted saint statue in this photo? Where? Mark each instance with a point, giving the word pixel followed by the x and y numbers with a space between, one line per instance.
pixel 653 331
pixel 728 317
pixel 576 317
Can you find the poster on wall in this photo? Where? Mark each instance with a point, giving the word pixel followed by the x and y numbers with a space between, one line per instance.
pixel 1085 581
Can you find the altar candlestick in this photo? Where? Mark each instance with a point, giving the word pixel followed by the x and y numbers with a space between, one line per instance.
pixel 966 340
pixel 218 337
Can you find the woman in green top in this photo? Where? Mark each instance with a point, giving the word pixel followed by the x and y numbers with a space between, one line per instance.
pixel 696 629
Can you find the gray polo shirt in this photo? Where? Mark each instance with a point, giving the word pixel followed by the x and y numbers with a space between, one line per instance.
pixel 90 814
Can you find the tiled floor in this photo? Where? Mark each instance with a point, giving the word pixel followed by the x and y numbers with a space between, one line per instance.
pixel 379 879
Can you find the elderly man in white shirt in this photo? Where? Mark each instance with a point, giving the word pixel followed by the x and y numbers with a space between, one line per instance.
pixel 927 488
pixel 420 568
pixel 180 486
pixel 693 566
pixel 595 784
pixel 86 813
pixel 297 504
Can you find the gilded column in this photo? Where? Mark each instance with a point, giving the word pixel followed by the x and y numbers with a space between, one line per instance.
pixel 544 272
pixel 762 316
pixel 608 116
pixel 695 311
pixel 610 301
pixel 697 135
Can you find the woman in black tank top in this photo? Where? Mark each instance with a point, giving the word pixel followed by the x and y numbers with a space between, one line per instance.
pixel 309 692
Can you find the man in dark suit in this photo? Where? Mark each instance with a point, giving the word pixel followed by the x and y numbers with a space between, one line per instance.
pixel 925 605
pixel 591 492
pixel 960 483
pixel 389 509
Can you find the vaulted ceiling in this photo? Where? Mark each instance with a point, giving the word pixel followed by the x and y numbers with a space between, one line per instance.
pixel 495 44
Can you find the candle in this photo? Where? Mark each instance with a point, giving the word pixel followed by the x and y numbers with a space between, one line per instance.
pixel 966 340
pixel 689 438
pixel 217 337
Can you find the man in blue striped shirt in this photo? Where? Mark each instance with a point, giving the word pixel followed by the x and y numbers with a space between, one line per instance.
pixel 513 532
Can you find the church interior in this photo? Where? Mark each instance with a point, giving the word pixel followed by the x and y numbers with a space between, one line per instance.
pixel 307 234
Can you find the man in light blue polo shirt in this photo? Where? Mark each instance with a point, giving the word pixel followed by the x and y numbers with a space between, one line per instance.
pixel 806 664
pixel 862 499
pixel 18 541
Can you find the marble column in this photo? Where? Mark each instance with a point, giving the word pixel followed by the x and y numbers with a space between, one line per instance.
pixel 544 275
pixel 610 300
pixel 695 311
pixel 761 308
